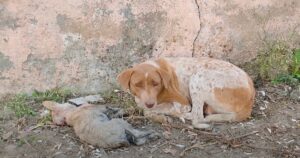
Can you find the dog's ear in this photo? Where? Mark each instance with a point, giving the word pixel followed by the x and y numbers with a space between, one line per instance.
pixel 50 105
pixel 165 77
pixel 166 73
pixel 124 78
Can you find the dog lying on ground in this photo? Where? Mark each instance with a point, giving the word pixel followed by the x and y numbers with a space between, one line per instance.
pixel 199 89
pixel 92 125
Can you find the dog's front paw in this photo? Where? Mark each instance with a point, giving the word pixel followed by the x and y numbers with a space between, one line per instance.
pixel 200 125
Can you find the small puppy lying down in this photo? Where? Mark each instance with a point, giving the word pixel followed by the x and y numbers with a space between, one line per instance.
pixel 94 125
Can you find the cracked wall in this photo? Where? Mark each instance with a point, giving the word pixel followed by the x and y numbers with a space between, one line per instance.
pixel 83 45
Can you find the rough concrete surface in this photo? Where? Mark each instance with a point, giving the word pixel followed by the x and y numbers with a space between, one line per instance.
pixel 82 45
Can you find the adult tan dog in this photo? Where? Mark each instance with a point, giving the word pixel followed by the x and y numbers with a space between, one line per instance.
pixel 216 90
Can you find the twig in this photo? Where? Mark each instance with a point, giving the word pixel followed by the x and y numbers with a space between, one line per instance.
pixel 273 149
pixel 197 145
pixel 193 130
pixel 157 147
pixel 30 145
pixel 135 117
pixel 38 126
pixel 218 138
pixel 244 135
pixel 65 135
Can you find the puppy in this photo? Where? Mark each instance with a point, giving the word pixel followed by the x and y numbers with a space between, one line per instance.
pixel 92 125
pixel 214 90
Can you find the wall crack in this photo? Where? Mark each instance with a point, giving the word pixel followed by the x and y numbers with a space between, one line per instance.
pixel 199 30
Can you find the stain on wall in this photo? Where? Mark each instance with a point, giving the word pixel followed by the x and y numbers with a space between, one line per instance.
pixel 7 20
pixel 5 63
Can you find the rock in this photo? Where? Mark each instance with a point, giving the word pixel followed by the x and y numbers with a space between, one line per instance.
pixel 78 101
pixel 92 99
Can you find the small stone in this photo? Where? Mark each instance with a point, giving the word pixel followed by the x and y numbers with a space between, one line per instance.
pixel 180 146
pixel 269 130
pixel 262 93
pixel 78 101
pixel 94 99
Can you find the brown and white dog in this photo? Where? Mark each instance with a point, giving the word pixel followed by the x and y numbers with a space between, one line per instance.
pixel 214 90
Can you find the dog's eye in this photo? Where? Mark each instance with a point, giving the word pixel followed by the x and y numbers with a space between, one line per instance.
pixel 139 84
pixel 155 84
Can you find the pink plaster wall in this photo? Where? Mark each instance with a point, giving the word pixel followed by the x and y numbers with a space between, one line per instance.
pixel 82 45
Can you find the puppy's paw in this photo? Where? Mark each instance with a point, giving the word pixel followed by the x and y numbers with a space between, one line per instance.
pixel 186 109
pixel 158 118
pixel 182 108
pixel 187 115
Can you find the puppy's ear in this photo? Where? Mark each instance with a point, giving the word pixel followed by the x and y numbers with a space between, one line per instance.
pixel 50 105
pixel 124 78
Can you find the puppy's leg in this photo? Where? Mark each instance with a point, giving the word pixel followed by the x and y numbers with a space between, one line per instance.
pixel 225 117
pixel 180 111
pixel 156 117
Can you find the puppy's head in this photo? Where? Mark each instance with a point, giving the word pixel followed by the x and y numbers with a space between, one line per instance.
pixel 58 111
pixel 145 81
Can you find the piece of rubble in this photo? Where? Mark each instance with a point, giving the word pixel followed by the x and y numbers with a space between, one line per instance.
pixel 92 99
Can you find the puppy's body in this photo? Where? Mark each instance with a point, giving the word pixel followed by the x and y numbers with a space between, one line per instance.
pixel 92 125
pixel 216 88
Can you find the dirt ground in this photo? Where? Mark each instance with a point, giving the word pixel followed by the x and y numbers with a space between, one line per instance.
pixel 273 131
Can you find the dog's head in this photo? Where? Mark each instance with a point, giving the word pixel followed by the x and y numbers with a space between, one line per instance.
pixel 59 111
pixel 151 83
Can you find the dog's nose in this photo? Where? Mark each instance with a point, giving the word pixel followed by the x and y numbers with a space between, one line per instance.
pixel 149 105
